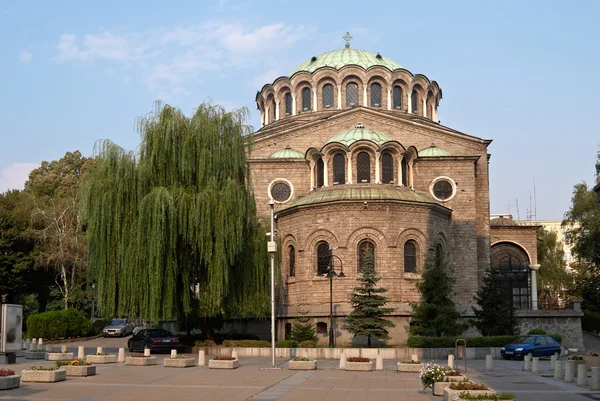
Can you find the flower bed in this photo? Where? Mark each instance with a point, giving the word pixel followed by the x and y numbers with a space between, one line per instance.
pixel 35 354
pixel 410 366
pixel 438 387
pixel 43 374
pixel 59 356
pixel 101 358
pixel 502 396
pixel 179 361
pixel 140 360
pixel 78 367
pixel 302 363
pixel 9 380
pixel 356 363
pixel 457 390
pixel 432 373
pixel 577 360
pixel 223 362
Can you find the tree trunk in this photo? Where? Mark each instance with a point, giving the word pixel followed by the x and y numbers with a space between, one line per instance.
pixel 369 341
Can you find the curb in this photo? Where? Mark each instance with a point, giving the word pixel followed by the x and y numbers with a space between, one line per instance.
pixel 69 340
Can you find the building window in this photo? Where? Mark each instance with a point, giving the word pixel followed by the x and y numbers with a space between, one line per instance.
pixel 339 169
pixel 288 104
pixel 366 255
pixel 387 168
pixel 306 99
pixel 328 96
pixel 288 331
pixel 322 258
pixel 397 97
pixel 410 256
pixel 351 95
pixel 363 167
pixel 510 263
pixel 443 188
pixel 404 172
pixel 429 109
pixel 273 111
pixel 292 261
pixel 415 102
pixel 321 328
pixel 375 95
pixel 439 255
pixel 320 173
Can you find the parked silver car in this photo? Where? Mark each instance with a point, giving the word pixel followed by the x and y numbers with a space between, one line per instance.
pixel 118 328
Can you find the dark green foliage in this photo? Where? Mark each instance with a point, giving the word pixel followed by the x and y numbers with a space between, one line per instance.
pixel 368 304
pixel 286 344
pixel 435 315
pixel 307 344
pixel 590 321
pixel 303 329
pixel 449 342
pixel 177 215
pixel 68 323
pixel 537 331
pixel 494 316
pixel 98 325
pixel 557 337
pixel 552 277
pixel 247 343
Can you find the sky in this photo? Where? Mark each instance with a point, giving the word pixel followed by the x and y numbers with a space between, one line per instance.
pixel 523 73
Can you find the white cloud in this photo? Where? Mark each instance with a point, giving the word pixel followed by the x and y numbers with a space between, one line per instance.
pixel 170 58
pixel 25 56
pixel 15 175
pixel 266 78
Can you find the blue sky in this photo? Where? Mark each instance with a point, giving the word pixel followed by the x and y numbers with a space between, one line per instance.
pixel 523 73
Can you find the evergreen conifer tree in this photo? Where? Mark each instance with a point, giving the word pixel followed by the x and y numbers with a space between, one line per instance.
pixel 303 330
pixel 494 316
pixel 368 303
pixel 436 315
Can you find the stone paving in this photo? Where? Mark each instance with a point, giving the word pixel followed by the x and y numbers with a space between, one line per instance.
pixel 254 381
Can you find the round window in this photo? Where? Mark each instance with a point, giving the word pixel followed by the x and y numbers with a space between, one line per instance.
pixel 280 191
pixel 443 189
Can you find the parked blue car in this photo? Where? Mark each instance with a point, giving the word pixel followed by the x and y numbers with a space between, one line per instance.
pixel 536 345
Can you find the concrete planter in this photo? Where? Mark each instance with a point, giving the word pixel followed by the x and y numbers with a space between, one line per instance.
pixel 409 367
pixel 101 359
pixel 80 371
pixel 140 361
pixel 451 395
pixel 8 382
pixel 216 364
pixel 59 356
pixel 35 355
pixel 179 362
pixel 43 376
pixel 302 365
pixel 575 366
pixel 591 361
pixel 438 387
pixel 359 366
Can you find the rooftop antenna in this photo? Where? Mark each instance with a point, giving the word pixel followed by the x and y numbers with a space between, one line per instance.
pixel 518 214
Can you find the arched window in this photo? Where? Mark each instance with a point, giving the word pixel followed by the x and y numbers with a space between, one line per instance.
pixel 322 258
pixel 292 261
pixel 351 94
pixel 387 168
pixel 430 109
pixel 288 104
pixel 366 255
pixel 320 173
pixel 375 95
pixel 404 172
pixel 321 328
pixel 273 111
pixel 306 99
pixel 414 98
pixel 397 97
pixel 363 167
pixel 328 97
pixel 510 263
pixel 439 254
pixel 410 256
pixel 339 169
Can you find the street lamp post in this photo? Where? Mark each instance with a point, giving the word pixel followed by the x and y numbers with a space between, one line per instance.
pixel 272 249
pixel 330 274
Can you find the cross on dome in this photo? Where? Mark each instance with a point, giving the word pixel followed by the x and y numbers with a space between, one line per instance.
pixel 347 37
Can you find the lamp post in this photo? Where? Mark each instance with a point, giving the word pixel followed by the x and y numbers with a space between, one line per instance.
pixel 272 249
pixel 330 274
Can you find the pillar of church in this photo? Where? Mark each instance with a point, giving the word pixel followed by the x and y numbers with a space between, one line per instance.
pixel 534 293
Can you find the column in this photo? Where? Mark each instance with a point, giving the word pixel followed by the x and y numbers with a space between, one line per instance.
pixel 399 165
pixel 349 168
pixel 410 102
pixel 339 91
pixel 389 99
pixel 293 105
pixel 365 102
pixel 534 294
pixel 315 100
pixel 325 171
pixel 377 172
pixel 425 107
pixel 435 117
pixel 312 175
pixel 267 111
pixel 262 119
pixel 276 111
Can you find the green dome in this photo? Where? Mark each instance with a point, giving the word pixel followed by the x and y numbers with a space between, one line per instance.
pixel 433 151
pixel 346 56
pixel 287 153
pixel 360 133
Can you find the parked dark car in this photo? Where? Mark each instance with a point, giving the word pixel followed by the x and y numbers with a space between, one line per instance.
pixel 536 345
pixel 154 340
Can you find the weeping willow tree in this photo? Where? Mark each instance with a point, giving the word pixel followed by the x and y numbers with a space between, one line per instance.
pixel 174 225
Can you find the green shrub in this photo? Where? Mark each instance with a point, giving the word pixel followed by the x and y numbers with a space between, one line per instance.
pixel 97 326
pixel 307 344
pixel 286 344
pixel 536 331
pixel 449 342
pixel 557 337
pixel 205 343
pixel 53 325
pixel 247 343
pixel 590 321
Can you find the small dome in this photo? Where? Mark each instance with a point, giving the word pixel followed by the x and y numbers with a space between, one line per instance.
pixel 503 222
pixel 360 133
pixel 433 151
pixel 347 56
pixel 287 153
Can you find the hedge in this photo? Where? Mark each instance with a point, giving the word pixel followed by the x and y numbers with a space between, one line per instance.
pixel 53 325
pixel 449 342
pixel 590 321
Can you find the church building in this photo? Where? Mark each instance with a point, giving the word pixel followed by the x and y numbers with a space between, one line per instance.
pixel 351 151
